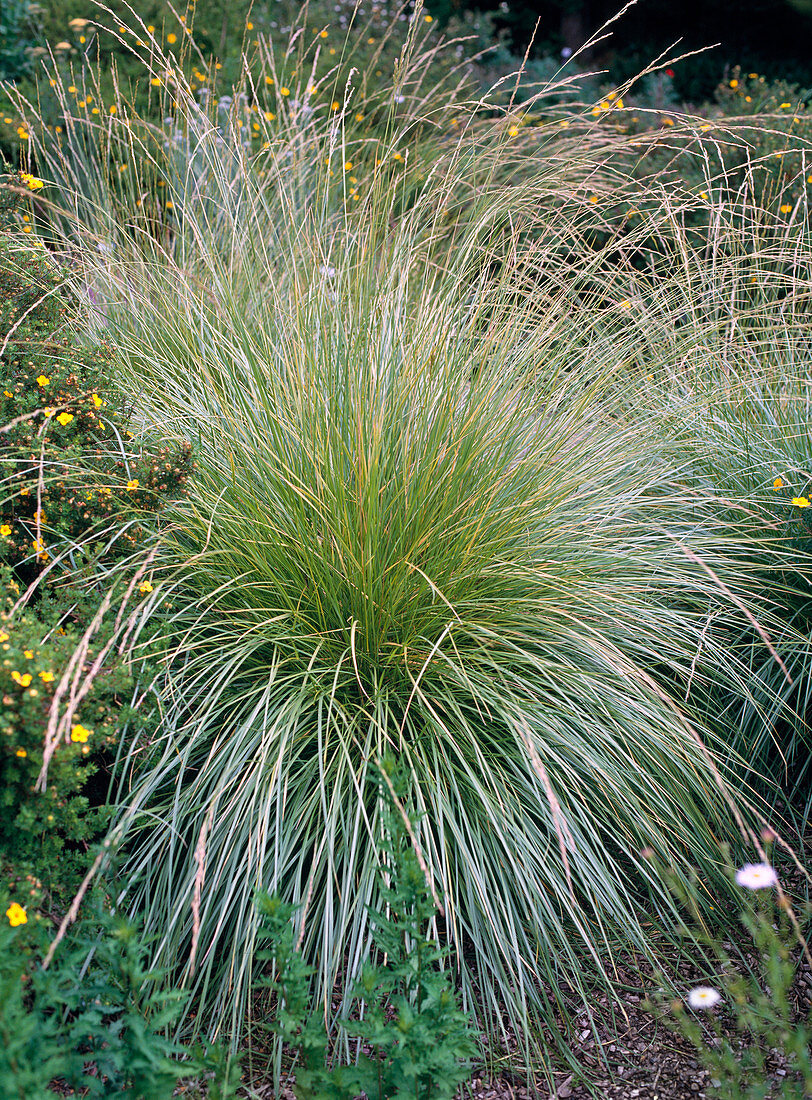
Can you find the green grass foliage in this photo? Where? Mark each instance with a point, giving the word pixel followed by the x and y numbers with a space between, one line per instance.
pixel 416 1041
pixel 477 486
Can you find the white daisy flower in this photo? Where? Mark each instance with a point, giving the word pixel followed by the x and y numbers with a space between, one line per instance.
pixel 703 996
pixel 756 876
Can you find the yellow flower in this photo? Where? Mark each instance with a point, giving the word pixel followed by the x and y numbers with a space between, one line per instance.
pixel 113 108
pixel 625 304
pixel 249 26
pixel 429 18
pixel 323 34
pixel 65 418
pixel 22 133
pixel 79 733
pixel 46 677
pixel 132 484
pixel 171 39
pixel 778 484
pixel 16 915
pixel 284 91
pixel 28 654
pixel 513 131
pixel 334 105
pixel 43 381
pixel 156 82
pixel 800 502
pixel 97 401
pixel 145 587
pixel 594 198
pixel 5 530
pixel 42 553
pixel 21 753
pixel 150 29
pixel 48 411
pixel 359 117
pixel 785 207
pixel 31 182
pixel 348 166
pixel 784 106
pixel 734 84
pixel 23 679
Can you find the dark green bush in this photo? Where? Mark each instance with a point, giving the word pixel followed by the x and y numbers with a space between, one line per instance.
pixel 18 23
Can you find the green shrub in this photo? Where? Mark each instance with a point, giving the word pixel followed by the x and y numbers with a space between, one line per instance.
pixel 75 497
pixel 93 1022
pixel 18 23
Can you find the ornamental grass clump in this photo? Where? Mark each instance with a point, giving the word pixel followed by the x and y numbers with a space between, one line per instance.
pixel 437 513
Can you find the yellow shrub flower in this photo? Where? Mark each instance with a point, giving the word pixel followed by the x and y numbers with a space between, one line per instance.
pixel 778 484
pixel 23 679
pixel 79 734
pixel 97 401
pixel 145 587
pixel 800 502
pixel 65 418
pixel 21 753
pixel 5 530
pixel 16 915
pixel 132 484
pixel 46 677
pixel 31 182
pixel 171 39
pixel 785 207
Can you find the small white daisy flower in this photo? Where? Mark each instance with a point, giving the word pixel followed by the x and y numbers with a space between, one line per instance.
pixel 704 996
pixel 756 876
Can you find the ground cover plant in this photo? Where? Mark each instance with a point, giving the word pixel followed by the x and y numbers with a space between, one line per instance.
pixel 476 486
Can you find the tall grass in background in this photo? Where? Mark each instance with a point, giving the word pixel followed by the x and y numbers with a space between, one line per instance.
pixel 477 486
